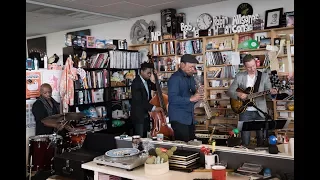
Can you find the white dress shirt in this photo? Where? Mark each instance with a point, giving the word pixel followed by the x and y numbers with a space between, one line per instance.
pixel 147 89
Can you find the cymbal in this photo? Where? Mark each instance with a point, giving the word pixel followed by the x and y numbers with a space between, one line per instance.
pixel 63 117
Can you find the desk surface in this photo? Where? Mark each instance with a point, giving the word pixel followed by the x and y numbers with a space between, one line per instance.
pixel 219 148
pixel 138 173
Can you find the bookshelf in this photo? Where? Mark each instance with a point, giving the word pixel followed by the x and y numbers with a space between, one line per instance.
pixel 107 82
pixel 224 113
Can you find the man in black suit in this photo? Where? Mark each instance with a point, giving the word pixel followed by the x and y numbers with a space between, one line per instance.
pixel 141 94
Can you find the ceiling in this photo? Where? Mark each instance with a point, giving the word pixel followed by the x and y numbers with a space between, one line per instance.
pixel 48 16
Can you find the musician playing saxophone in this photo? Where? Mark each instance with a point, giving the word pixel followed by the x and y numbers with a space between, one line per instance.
pixel 182 96
pixel 250 78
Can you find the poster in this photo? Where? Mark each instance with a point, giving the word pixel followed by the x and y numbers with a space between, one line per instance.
pixel 30 122
pixel 53 77
pixel 33 83
pixel 37 46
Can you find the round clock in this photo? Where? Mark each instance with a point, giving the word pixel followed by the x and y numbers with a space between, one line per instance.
pixel 204 21
pixel 245 9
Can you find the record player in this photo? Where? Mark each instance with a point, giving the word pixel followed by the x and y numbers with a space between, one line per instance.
pixel 125 158
pixel 128 163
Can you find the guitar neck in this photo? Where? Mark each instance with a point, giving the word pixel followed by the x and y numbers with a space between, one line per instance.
pixel 254 95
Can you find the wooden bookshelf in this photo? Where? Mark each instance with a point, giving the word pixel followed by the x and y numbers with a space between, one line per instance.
pixel 272 33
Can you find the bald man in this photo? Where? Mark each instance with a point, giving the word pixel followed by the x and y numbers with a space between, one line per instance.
pixel 45 106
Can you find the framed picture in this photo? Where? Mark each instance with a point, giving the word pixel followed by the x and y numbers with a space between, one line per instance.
pixel 289 19
pixel 273 17
pixel 276 41
pixel 264 42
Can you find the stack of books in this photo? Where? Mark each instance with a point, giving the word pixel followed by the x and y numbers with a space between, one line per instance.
pixel 184 160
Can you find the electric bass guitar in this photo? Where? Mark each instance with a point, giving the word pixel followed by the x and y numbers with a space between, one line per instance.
pixel 240 105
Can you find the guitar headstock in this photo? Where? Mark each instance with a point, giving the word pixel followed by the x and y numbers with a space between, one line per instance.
pixel 150 59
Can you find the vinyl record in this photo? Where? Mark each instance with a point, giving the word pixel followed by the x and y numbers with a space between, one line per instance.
pixel 253 44
pixel 245 9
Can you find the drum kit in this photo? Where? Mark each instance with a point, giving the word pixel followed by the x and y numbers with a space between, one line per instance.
pixel 43 148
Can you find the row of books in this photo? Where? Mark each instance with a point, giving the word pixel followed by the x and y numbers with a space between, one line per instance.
pixel 88 96
pixel 222 72
pixel 189 47
pixel 218 58
pixel 99 60
pixel 164 48
pixel 125 59
pixel 93 79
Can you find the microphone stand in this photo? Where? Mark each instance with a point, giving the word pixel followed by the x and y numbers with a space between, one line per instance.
pixel 266 127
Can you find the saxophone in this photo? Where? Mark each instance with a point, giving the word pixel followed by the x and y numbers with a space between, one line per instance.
pixel 203 103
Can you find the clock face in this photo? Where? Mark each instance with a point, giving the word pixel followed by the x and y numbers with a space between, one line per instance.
pixel 245 9
pixel 204 21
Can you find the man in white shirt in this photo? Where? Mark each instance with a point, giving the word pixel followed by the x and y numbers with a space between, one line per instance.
pixel 141 95
pixel 247 79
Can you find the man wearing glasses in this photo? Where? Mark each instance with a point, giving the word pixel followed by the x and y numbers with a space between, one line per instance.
pixel 182 95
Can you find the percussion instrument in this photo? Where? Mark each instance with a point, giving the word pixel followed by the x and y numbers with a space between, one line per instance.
pixel 58 118
pixel 77 137
pixel 42 149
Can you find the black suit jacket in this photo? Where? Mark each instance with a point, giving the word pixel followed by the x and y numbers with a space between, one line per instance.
pixel 140 105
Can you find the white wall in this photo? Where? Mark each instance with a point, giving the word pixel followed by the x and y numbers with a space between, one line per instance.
pixel 121 29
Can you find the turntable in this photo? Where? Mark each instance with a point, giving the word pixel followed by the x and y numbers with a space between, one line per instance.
pixel 129 160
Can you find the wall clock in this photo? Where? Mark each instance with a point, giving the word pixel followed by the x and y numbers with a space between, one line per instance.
pixel 204 21
pixel 245 9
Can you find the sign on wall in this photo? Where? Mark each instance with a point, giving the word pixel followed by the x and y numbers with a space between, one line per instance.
pixel 241 24
pixel 33 83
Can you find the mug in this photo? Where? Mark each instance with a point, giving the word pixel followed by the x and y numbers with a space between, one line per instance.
pixel 210 160
pixel 159 137
pixel 219 172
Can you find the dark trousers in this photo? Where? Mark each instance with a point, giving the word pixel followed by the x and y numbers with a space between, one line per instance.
pixel 183 132
pixel 142 128
pixel 245 135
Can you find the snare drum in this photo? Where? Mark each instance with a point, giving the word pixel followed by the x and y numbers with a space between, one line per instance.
pixel 41 152
pixel 77 137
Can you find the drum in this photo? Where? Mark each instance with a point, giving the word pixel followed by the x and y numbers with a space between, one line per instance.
pixel 77 137
pixel 42 149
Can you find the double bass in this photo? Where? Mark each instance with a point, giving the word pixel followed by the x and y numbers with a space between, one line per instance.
pixel 159 125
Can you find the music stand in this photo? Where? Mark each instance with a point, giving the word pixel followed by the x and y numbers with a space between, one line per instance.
pixel 264 125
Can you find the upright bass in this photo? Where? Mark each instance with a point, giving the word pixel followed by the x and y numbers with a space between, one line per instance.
pixel 159 125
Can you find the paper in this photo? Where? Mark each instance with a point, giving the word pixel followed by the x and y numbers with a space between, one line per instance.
pixel 235 58
pixel 33 83
pixel 52 77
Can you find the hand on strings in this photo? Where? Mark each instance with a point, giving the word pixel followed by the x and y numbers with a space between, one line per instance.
pixel 242 95
pixel 158 109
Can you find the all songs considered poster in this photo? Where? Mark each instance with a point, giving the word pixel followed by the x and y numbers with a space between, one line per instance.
pixel 33 83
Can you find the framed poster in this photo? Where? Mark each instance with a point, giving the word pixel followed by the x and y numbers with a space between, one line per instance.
pixel 273 17
pixel 37 45
pixel 85 32
pixel 33 83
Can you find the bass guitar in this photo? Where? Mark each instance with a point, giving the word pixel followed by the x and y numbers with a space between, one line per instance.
pixel 240 105
pixel 159 125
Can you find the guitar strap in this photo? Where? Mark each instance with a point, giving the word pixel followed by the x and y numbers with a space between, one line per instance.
pixel 257 83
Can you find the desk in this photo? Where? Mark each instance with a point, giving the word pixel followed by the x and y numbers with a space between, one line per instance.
pixel 233 156
pixel 249 152
pixel 138 173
